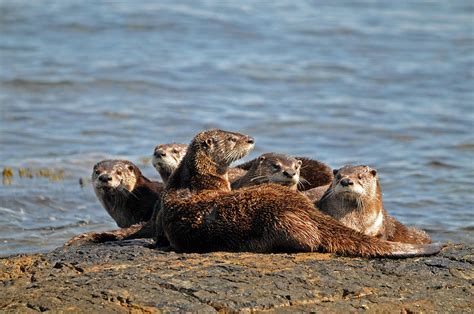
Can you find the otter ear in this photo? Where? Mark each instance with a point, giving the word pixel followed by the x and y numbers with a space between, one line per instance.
pixel 261 158
pixel 299 162
pixel 335 171
pixel 373 172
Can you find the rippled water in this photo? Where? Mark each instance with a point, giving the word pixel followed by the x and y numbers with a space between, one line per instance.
pixel 388 84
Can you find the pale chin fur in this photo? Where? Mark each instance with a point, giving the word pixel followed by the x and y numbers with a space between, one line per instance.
pixel 355 190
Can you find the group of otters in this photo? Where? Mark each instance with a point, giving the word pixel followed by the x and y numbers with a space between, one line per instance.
pixel 274 203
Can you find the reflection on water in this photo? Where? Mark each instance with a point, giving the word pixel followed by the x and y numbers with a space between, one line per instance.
pixel 385 84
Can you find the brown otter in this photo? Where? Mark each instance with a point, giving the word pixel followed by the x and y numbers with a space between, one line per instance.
pixel 312 174
pixel 166 158
pixel 271 167
pixel 355 199
pixel 280 169
pixel 126 194
pixel 199 213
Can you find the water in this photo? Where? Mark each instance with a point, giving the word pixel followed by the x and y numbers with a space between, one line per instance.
pixel 388 84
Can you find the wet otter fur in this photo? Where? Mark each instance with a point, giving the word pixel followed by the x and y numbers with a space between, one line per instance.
pixel 199 213
pixel 355 199
pixel 125 193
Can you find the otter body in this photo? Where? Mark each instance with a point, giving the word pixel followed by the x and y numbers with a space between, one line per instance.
pixel 355 199
pixel 125 193
pixel 199 213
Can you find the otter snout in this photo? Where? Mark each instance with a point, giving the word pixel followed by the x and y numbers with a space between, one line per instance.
pixel 346 182
pixel 159 153
pixel 289 173
pixel 105 178
pixel 250 140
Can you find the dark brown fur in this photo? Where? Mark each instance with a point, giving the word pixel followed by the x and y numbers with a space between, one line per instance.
pixel 355 199
pixel 200 214
pixel 315 194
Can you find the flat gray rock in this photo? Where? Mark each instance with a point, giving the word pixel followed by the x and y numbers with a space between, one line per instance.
pixel 129 277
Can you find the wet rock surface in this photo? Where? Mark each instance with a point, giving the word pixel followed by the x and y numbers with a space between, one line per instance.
pixel 129 277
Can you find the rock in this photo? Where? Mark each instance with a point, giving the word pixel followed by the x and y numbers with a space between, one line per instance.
pixel 129 277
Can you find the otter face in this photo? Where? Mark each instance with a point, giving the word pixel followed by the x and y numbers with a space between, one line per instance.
pixel 355 181
pixel 166 157
pixel 114 175
pixel 223 147
pixel 279 169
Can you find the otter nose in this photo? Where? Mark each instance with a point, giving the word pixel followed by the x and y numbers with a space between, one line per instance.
pixel 105 178
pixel 289 173
pixel 250 140
pixel 346 182
pixel 160 153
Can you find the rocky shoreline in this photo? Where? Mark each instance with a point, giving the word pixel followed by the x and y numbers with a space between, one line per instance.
pixel 129 277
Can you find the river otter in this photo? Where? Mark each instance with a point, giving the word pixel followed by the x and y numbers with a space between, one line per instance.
pixel 199 213
pixel 127 196
pixel 166 158
pixel 280 169
pixel 355 199
pixel 312 173
pixel 271 167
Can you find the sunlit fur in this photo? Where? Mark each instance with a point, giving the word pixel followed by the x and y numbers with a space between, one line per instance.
pixel 358 205
pixel 200 214
pixel 166 158
pixel 128 196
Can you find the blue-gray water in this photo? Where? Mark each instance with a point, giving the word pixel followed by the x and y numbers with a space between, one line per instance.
pixel 388 84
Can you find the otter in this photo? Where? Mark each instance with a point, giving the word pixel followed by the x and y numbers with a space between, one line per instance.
pixel 199 212
pixel 166 158
pixel 126 194
pixel 312 173
pixel 271 167
pixel 280 169
pixel 355 199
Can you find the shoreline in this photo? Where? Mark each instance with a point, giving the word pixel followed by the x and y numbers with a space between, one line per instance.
pixel 128 277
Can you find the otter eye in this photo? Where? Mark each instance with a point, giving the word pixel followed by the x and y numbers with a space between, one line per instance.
pixel 97 171
pixel 119 173
pixel 338 176
pixel 174 151
pixel 276 167
pixel 233 139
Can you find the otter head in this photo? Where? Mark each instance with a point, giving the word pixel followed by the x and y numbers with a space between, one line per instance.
pixel 355 182
pixel 114 175
pixel 166 158
pixel 220 148
pixel 277 168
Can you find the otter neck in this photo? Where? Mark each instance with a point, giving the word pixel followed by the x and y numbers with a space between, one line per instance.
pixel 199 172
